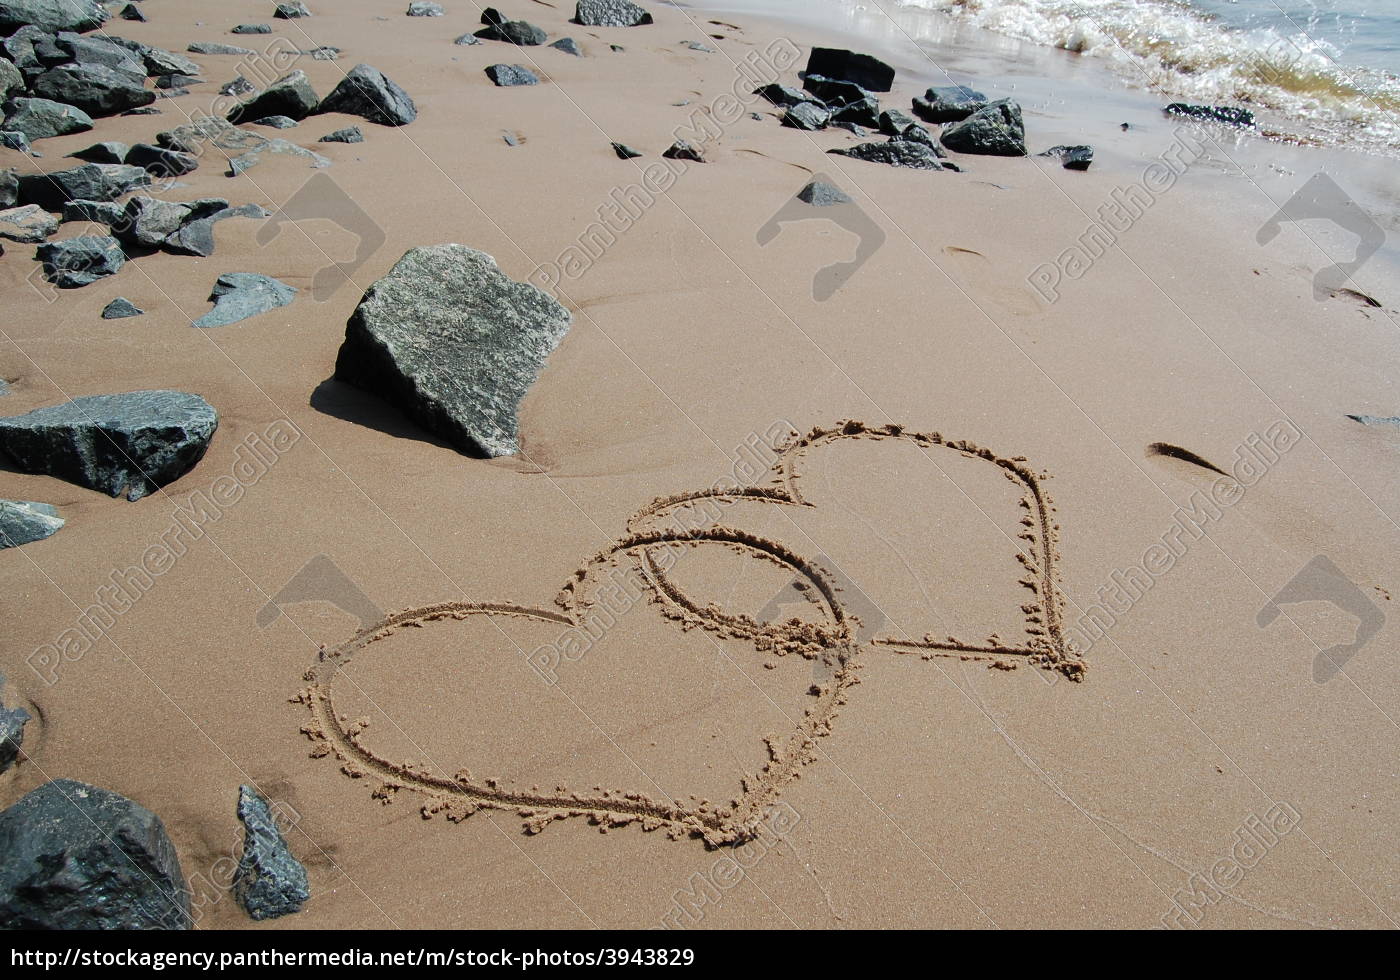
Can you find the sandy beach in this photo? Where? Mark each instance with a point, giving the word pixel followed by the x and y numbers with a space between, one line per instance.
pixel 999 552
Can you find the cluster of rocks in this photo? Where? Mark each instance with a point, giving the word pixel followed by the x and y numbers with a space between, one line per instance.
pixel 365 91
pixel 590 13
pixel 842 89
pixel 81 857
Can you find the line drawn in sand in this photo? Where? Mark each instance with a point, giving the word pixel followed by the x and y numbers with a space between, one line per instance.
pixel 835 643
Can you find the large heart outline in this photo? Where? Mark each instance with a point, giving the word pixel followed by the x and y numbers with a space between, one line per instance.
pixel 832 641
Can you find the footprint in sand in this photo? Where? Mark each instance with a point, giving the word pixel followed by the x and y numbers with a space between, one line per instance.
pixel 986 286
pixel 699 713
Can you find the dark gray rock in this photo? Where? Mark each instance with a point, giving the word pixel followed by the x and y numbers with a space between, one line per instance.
pixel 820 194
pixel 896 153
pixel 994 130
pixel 109 152
pixel 467 39
pixel 513 32
pixel 918 134
pixel 196 235
pixel 834 92
pixel 90 182
pixel 610 13
pixel 507 75
pixel 786 95
pixel 239 86
pixel 95 89
pixel 269 882
pixel 176 81
pixel 148 222
pixel 1230 115
pixel 41 119
pixel 100 51
pixel 684 150
pixel 51 15
pixel 1072 157
pixel 133 12
pixel 625 152
pixel 863 112
pixel 568 45
pixel 121 308
pixel 17 141
pixel 11 79
pixel 9 189
pixel 217 47
pixel 421 8
pixel 159 61
pixel 132 443
pixel 350 134
pixel 240 295
pixel 291 11
pixel 76 262
pixel 80 857
pixel 28 225
pixel 894 122
pixel 161 162
pixel 21 521
pixel 252 29
pixel 869 73
pixel 368 93
pixel 949 103
pixel 806 115
pixel 850 127
pixel 102 212
pixel 291 95
pixel 276 122
pixel 454 343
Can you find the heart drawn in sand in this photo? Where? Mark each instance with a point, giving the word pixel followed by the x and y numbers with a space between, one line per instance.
pixel 791 709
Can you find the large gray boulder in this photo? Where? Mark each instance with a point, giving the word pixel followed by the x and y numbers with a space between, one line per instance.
pixel 51 15
pixel 291 96
pixel 368 93
pixel 148 222
pixel 136 442
pixel 75 262
pixel 269 882
pixel 23 521
pixel 40 119
pixel 610 13
pixel 13 720
pixel 9 188
pixel 80 857
pixel 95 89
pixel 994 130
pixel 949 103
pixel 454 343
pixel 90 182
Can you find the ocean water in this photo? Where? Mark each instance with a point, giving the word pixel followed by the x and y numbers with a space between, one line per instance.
pixel 1324 71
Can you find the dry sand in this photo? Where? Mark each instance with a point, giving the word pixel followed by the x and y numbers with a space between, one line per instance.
pixel 935 790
